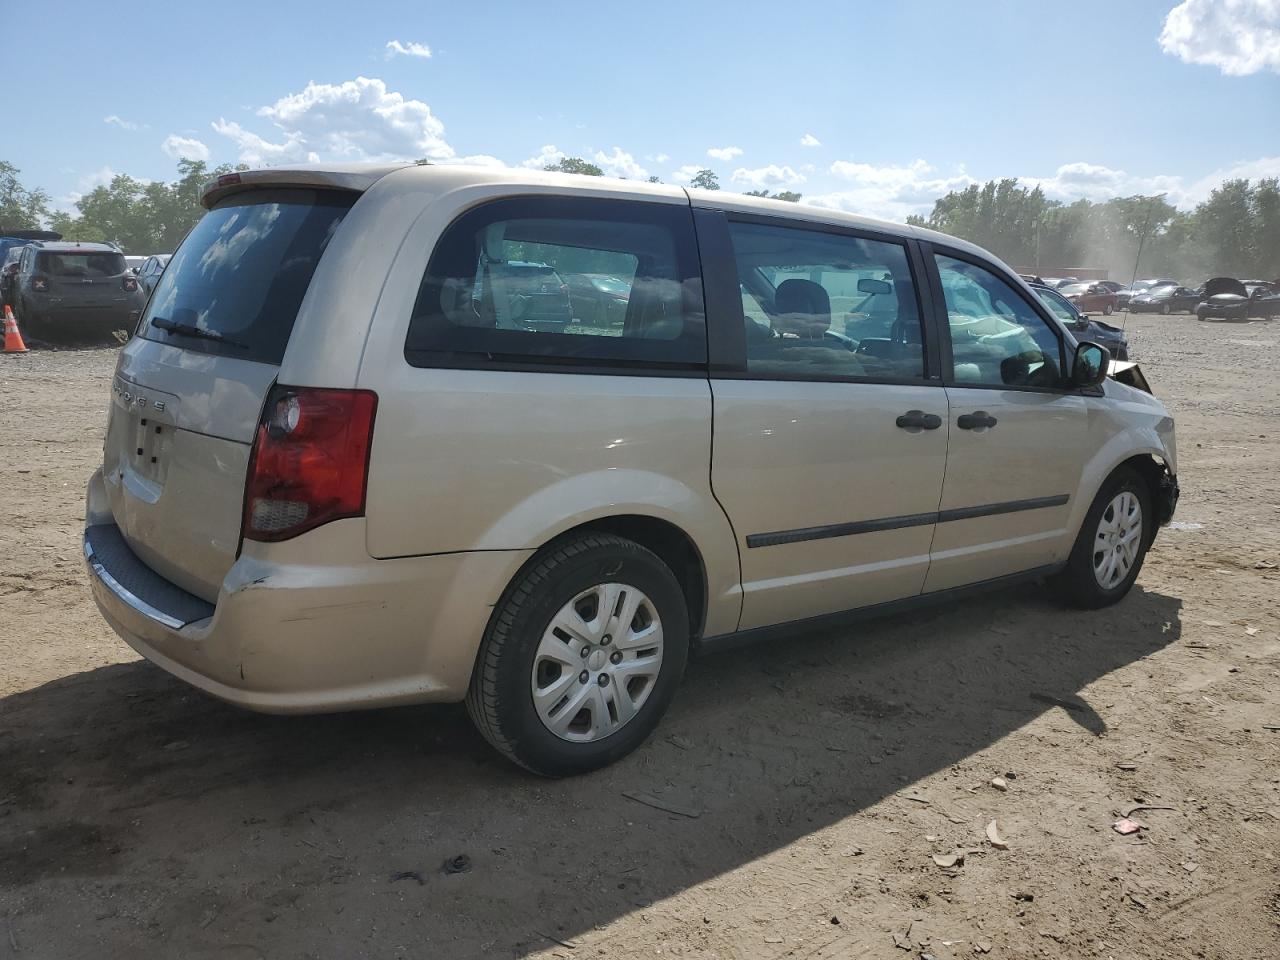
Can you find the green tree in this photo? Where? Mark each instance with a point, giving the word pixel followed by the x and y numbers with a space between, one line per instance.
pixel 574 165
pixel 1224 223
pixel 654 180
pixel 789 195
pixel 142 217
pixel 20 208
pixel 1266 229
pixel 705 180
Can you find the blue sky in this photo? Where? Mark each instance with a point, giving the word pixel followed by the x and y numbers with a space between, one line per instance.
pixel 875 107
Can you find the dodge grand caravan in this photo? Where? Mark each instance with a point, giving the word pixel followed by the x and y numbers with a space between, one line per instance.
pixel 342 471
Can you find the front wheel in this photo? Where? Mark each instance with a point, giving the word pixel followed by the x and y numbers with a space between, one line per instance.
pixel 582 656
pixel 1112 543
pixel 1108 309
pixel 1165 310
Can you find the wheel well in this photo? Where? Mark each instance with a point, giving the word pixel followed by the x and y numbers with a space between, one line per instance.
pixel 1152 471
pixel 672 546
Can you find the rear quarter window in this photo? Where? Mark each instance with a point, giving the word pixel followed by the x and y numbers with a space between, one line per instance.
pixel 571 282
pixel 240 275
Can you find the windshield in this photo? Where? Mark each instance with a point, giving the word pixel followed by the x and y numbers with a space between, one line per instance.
pixel 1074 288
pixel 85 265
pixel 242 272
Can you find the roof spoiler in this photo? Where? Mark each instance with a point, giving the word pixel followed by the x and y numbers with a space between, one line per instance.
pixel 357 177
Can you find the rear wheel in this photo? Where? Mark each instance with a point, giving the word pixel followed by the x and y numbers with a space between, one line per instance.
pixel 582 656
pixel 1108 309
pixel 1112 543
pixel 1164 309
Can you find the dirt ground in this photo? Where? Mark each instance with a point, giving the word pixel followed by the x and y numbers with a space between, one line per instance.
pixel 816 777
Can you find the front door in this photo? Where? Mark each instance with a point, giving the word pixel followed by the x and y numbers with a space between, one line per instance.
pixel 830 437
pixel 1018 441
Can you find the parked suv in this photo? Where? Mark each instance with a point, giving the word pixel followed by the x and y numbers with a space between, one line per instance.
pixel 75 288
pixel 338 473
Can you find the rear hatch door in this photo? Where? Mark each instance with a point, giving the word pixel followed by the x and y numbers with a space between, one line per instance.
pixel 189 389
pixel 83 279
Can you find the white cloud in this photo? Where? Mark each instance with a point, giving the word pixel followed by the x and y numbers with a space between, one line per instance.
pixel 477 160
pixel 189 147
pixel 620 164
pixel 1239 37
pixel 770 176
pixel 548 155
pixel 890 192
pixel 410 49
pixel 658 158
pixel 809 140
pixel 258 150
pixel 724 153
pixel 685 173
pixel 123 124
pixel 357 120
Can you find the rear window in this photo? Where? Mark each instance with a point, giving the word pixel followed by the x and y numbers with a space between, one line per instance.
pixel 87 265
pixel 514 282
pixel 234 286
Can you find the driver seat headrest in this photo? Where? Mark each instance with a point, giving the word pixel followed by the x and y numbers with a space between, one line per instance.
pixel 804 308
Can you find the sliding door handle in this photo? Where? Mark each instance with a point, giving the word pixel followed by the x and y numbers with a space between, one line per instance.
pixel 975 421
pixel 919 420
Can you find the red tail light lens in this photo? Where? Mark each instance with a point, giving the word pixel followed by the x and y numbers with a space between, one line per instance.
pixel 39 284
pixel 310 461
pixel 130 284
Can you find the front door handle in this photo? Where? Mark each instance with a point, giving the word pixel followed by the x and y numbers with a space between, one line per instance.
pixel 919 420
pixel 976 420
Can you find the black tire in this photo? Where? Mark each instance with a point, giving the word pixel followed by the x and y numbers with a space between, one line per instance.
pixel 1107 310
pixel 1077 583
pixel 500 699
pixel 1164 309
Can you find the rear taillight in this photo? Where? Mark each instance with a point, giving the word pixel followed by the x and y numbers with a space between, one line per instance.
pixel 310 461
pixel 39 284
pixel 130 284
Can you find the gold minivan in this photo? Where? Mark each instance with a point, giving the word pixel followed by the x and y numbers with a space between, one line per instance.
pixel 395 434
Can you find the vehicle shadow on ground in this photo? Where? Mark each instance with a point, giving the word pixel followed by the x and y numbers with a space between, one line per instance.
pixel 185 826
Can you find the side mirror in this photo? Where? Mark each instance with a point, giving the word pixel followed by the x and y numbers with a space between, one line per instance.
pixel 868 285
pixel 135 270
pixel 1090 365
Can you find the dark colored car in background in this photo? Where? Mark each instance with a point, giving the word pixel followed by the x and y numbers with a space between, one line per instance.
pixel 537 295
pixel 1085 328
pixel 1090 297
pixel 1166 299
pixel 75 289
pixel 1138 287
pixel 598 299
pixel 1226 298
pixel 8 271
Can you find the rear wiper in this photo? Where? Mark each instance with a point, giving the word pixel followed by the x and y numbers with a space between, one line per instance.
pixel 191 330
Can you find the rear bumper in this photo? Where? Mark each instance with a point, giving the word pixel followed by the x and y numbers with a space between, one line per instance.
pixel 87 318
pixel 308 625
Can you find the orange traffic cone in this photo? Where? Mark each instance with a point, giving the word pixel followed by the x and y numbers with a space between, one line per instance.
pixel 12 338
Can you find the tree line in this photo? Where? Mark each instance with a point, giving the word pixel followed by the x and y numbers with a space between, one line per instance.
pixel 1234 232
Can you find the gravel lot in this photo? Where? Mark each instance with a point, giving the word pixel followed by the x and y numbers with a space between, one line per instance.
pixel 819 776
